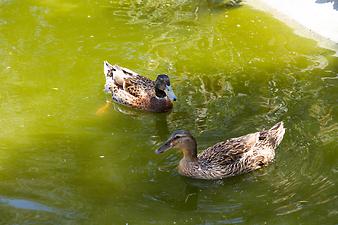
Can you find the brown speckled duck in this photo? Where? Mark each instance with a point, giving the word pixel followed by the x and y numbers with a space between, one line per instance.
pixel 131 89
pixel 228 158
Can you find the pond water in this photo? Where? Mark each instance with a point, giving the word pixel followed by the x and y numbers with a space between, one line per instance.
pixel 234 71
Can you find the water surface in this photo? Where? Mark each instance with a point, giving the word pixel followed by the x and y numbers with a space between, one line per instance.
pixel 234 71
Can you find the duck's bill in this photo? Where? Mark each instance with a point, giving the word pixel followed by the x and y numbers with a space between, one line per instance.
pixel 165 147
pixel 170 93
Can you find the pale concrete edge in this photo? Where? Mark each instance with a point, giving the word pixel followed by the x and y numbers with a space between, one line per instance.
pixel 298 28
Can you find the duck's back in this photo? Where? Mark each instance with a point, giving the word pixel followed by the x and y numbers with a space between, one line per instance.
pixel 139 92
pixel 240 155
pixel 136 91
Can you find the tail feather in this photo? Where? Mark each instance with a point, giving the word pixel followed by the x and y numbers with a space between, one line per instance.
pixel 277 133
pixel 114 74
pixel 273 136
pixel 106 68
pixel 277 126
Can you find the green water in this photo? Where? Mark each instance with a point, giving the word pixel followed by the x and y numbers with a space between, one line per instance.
pixel 234 71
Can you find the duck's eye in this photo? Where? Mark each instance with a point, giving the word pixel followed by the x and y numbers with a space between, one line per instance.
pixel 176 137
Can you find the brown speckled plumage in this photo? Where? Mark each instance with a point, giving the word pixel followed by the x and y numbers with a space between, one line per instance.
pixel 228 158
pixel 134 90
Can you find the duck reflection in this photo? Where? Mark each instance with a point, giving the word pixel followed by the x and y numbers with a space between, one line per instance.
pixel 161 126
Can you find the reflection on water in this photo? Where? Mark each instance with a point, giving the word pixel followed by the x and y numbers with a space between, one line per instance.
pixel 234 70
pixel 24 204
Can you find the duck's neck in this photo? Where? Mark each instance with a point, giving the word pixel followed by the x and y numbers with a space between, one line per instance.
pixel 189 161
pixel 159 93
pixel 190 151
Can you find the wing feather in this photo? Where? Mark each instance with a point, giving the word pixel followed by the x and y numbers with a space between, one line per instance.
pixel 139 86
pixel 229 151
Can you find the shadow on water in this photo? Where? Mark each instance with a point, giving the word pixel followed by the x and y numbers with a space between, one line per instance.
pixel 43 185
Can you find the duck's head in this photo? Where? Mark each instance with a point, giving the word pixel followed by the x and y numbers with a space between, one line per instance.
pixel 163 88
pixel 181 139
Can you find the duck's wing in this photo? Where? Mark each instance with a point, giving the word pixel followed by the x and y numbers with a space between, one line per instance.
pixel 233 149
pixel 229 151
pixel 122 75
pixel 139 86
pixel 117 73
pixel 129 72
pixel 125 80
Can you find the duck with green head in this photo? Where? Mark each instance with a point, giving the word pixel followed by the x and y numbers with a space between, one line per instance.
pixel 131 89
pixel 228 158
